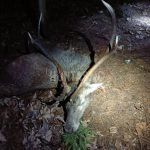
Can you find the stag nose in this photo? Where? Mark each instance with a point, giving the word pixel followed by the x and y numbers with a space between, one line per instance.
pixel 69 128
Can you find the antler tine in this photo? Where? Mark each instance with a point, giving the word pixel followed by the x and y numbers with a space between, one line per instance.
pixel 109 51
pixel 39 26
pixel 114 38
pixel 113 16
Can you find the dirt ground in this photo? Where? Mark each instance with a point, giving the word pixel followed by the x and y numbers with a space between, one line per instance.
pixel 119 112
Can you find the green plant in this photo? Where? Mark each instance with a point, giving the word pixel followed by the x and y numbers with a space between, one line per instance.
pixel 78 140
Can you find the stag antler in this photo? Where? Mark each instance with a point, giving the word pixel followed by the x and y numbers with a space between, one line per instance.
pixel 109 51
pixel 41 47
pixel 37 43
pixel 79 98
pixel 114 37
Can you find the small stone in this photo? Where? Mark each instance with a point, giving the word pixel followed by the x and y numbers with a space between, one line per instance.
pixel 99 133
pixel 127 61
pixel 113 130
pixel 128 19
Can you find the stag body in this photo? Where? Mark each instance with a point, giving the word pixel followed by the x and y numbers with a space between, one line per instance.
pixel 34 71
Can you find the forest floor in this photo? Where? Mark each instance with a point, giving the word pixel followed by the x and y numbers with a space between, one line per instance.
pixel 119 112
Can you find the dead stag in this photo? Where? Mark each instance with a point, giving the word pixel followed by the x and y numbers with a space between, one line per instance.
pixel 79 98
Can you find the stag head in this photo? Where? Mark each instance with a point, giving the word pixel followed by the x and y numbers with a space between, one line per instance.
pixel 76 109
pixel 80 97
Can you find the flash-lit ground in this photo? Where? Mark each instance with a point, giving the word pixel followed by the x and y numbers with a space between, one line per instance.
pixel 119 112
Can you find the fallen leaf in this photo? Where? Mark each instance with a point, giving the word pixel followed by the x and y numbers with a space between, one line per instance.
pixel 140 127
pixel 2 137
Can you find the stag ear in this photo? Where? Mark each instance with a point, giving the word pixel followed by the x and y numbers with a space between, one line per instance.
pixel 93 87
